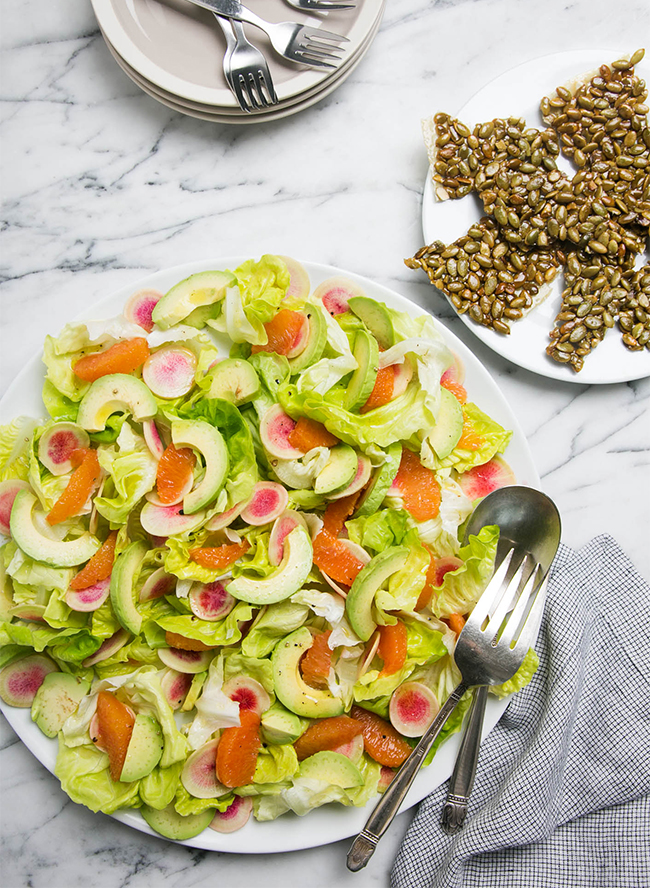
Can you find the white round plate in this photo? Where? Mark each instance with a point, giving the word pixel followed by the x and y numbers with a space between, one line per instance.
pixel 179 47
pixel 333 822
pixel 517 93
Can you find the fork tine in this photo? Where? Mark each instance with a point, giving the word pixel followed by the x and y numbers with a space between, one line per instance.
pixel 265 82
pixel 510 593
pixel 491 592
pixel 316 33
pixel 239 87
pixel 532 612
pixel 324 49
pixel 312 62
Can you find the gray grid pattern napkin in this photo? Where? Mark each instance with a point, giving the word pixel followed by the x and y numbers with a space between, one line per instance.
pixel 562 792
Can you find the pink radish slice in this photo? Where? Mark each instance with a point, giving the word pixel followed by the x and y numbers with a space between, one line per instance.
pixel 371 649
pixel 281 529
pixel 175 686
pixel 412 708
pixel 236 815
pixel 218 522
pixel 190 662
pixel 402 375
pixel 299 285
pixel 35 613
pixel 445 565
pixel 275 429
pixel 8 492
pixel 248 692
pixel 357 550
pixel 364 468
pixel 165 521
pixel 152 438
pixel 353 749
pixel 210 601
pixel 455 373
pixel 57 443
pixel 481 480
pixel 338 589
pixel 20 680
pixel 300 341
pixel 335 293
pixel 108 647
pixel 139 307
pixel 269 500
pixel 158 584
pixel 199 774
pixel 169 372
pixel 90 598
pixel 385 776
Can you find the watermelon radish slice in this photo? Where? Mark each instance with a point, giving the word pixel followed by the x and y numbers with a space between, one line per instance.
pixel 199 774
pixel 275 428
pixel 20 680
pixel 402 375
pixel 210 601
pixel 8 492
pixel 169 372
pixel 35 613
pixel 189 662
pixel 446 564
pixel 156 585
pixel 456 372
pixel 152 438
pixel 90 598
pixel 165 521
pixel 385 776
pixel 481 480
pixel 139 307
pixel 364 468
pixel 269 500
pixel 335 293
pixel 108 647
pixel 357 550
pixel 300 342
pixel 57 443
pixel 371 649
pixel 299 284
pixel 234 817
pixel 353 749
pixel 223 519
pixel 175 686
pixel 248 692
pixel 413 706
pixel 281 529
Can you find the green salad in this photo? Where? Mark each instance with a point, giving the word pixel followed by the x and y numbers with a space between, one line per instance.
pixel 234 566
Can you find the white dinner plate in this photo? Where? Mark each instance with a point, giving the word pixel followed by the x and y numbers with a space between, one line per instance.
pixel 517 93
pixel 333 822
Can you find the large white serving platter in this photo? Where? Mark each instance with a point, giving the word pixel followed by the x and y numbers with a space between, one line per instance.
pixel 333 822
pixel 517 93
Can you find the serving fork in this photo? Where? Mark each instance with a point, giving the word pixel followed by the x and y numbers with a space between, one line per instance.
pixel 245 68
pixel 319 5
pixel 490 649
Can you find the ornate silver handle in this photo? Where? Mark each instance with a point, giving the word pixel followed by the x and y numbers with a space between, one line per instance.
pixel 363 847
pixel 462 780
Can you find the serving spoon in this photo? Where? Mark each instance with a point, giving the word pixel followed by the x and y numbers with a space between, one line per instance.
pixel 528 521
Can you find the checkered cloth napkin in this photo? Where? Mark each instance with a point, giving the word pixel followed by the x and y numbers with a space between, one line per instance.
pixel 562 792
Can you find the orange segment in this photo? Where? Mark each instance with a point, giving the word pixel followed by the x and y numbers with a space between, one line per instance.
pixel 99 567
pixel 237 751
pixel 316 662
pixel 114 725
pixel 308 433
pixel 380 739
pixel 175 640
pixel 383 389
pixel 79 487
pixel 457 390
pixel 338 511
pixel 326 733
pixel 429 584
pixel 469 437
pixel 175 469
pixel 123 357
pixel 392 647
pixel 335 559
pixel 281 331
pixel 419 487
pixel 219 557
pixel 455 623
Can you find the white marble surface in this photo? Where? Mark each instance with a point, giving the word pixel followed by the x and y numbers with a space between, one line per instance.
pixel 102 185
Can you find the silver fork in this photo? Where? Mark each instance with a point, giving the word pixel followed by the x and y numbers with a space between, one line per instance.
pixel 492 646
pixel 320 5
pixel 245 68
pixel 314 47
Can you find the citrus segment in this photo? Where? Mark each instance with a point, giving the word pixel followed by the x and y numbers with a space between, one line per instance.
pixel 123 357
pixel 316 662
pixel 457 390
pixel 418 486
pixel 455 623
pixel 99 567
pixel 175 469
pixel 380 739
pixel 308 433
pixel 237 751
pixel 114 726
pixel 326 733
pixel 281 331
pixel 382 391
pixel 334 558
pixel 392 647
pixel 219 557
pixel 175 640
pixel 429 584
pixel 469 437
pixel 338 511
pixel 79 487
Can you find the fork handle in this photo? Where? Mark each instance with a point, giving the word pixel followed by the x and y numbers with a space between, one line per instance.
pixel 365 843
pixel 462 780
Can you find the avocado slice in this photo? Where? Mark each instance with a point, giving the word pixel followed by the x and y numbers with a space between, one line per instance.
pixel 288 683
pixel 338 471
pixel 169 823
pixel 358 604
pixel 209 442
pixel 281 726
pixel 316 340
pixel 380 484
pixel 56 699
pixel 144 750
pixel 376 318
pixel 32 542
pixel 234 380
pixel 125 572
pixel 286 579
pixel 331 767
pixel 449 425
pixel 203 288
pixel 362 381
pixel 116 393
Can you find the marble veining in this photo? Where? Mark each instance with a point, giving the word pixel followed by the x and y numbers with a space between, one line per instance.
pixel 102 185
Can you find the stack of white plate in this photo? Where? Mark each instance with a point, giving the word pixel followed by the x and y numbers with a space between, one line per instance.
pixel 174 52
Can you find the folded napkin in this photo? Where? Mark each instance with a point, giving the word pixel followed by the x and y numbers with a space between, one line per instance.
pixel 562 791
